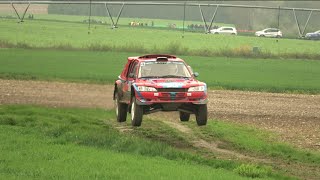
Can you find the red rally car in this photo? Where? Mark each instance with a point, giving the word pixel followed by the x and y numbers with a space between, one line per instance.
pixel 152 83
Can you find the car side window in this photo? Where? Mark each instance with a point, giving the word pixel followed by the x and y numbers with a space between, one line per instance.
pixel 132 68
pixel 135 67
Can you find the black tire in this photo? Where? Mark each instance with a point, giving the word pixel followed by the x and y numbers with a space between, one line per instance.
pixel 121 109
pixel 261 36
pixel 202 115
pixel 216 33
pixel 136 113
pixel 184 116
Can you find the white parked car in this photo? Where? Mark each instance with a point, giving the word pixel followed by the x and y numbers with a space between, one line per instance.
pixel 224 30
pixel 269 32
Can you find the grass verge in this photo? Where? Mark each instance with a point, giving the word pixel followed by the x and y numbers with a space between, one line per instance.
pixel 71 143
pixel 295 76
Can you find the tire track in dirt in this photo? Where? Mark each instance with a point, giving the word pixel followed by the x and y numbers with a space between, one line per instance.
pixel 295 117
pixel 211 146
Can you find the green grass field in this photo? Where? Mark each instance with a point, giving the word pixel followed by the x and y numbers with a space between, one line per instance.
pixel 122 21
pixel 163 23
pixel 78 144
pixel 85 143
pixel 126 39
pixel 104 67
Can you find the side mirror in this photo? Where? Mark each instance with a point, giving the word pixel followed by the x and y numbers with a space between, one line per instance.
pixel 131 75
pixel 196 74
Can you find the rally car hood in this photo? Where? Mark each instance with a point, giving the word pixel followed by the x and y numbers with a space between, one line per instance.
pixel 169 82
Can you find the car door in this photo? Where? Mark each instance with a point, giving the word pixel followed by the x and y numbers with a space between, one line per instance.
pixel 225 31
pixel 267 33
pixel 229 31
pixel 131 76
pixel 274 32
pixel 271 33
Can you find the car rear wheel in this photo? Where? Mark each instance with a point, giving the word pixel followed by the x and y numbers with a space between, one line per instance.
pixel 202 114
pixel 136 113
pixel 261 35
pixel 121 109
pixel 184 116
pixel 216 33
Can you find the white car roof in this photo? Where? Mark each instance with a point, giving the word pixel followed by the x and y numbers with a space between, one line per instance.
pixel 270 28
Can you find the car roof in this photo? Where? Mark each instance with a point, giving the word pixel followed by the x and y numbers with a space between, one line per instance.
pixel 226 27
pixel 272 28
pixel 153 57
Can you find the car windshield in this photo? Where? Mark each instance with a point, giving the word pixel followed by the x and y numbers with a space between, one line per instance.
pixel 156 69
pixel 317 31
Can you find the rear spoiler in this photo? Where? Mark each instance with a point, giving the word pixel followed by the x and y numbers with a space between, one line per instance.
pixel 157 56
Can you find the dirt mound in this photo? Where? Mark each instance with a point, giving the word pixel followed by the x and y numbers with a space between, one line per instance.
pixel 295 117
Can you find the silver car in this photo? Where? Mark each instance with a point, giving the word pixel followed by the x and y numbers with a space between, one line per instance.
pixel 224 30
pixel 269 32
pixel 313 35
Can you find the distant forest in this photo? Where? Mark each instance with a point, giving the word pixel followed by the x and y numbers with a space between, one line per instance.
pixel 250 19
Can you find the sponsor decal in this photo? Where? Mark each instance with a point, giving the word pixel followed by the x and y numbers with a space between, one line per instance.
pixel 171 85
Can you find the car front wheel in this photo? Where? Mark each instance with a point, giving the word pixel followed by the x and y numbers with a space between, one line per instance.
pixel 202 114
pixel 121 109
pixel 136 113
pixel 184 116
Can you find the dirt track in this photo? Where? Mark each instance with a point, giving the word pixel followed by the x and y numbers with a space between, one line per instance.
pixel 295 117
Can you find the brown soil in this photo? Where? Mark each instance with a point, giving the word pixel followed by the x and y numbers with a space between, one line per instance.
pixel 295 117
pixel 33 8
pixel 55 94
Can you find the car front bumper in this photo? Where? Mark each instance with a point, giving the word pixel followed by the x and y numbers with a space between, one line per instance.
pixel 148 98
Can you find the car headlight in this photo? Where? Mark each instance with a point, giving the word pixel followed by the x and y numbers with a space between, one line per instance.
pixel 197 88
pixel 146 89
